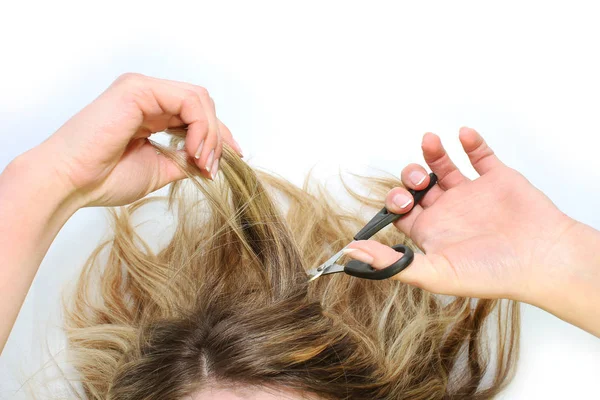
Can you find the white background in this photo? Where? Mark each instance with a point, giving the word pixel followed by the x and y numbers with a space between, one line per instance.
pixel 332 84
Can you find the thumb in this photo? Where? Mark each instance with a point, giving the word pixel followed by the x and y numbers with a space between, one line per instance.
pixel 431 272
pixel 169 170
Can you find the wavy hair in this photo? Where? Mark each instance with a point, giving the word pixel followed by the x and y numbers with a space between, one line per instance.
pixel 226 303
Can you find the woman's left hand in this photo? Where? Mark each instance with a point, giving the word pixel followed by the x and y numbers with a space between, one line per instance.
pixel 102 155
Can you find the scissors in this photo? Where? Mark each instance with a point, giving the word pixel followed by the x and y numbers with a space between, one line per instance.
pixel 363 270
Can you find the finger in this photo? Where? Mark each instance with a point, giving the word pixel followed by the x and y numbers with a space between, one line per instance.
pixel 482 157
pixel 218 151
pixel 202 145
pixel 416 177
pixel 175 122
pixel 201 91
pixel 377 255
pixel 211 152
pixel 208 151
pixel 170 170
pixel 154 100
pixel 400 201
pixel 219 148
pixel 440 163
pixel 433 273
pixel 430 272
pixel 166 170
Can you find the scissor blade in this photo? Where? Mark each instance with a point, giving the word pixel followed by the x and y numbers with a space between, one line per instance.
pixel 314 274
pixel 334 269
pixel 325 267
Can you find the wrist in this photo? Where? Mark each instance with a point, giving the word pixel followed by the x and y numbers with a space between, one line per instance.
pixel 570 285
pixel 32 181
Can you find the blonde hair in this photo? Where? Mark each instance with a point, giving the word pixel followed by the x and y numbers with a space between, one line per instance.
pixel 227 302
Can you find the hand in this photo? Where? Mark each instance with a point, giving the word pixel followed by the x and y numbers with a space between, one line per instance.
pixel 103 156
pixel 493 237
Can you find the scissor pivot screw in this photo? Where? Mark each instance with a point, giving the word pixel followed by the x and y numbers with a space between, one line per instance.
pixel 320 268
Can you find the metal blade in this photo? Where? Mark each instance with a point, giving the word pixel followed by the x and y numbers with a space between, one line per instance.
pixel 327 265
pixel 334 269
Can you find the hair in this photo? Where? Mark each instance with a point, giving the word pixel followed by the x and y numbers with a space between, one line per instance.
pixel 227 302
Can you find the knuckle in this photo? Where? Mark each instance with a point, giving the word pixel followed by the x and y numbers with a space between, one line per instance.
pixel 129 79
pixel 202 125
pixel 202 92
pixel 203 121
pixel 192 99
pixel 480 151
pixel 191 96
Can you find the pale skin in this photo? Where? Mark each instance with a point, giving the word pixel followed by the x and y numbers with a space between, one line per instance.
pixel 100 157
pixel 493 237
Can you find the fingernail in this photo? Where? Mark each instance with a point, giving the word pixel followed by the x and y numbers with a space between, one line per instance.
pixel 402 200
pixel 197 155
pixel 417 177
pixel 214 169
pixel 360 255
pixel 209 160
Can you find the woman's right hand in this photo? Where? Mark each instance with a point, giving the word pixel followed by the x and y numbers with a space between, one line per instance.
pixel 100 157
pixel 493 237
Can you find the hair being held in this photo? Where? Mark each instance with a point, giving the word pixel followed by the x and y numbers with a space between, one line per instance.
pixel 227 304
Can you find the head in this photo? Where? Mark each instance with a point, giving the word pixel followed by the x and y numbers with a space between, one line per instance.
pixel 225 309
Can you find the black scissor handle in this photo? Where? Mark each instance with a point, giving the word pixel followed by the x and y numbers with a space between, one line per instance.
pixel 363 270
pixel 383 218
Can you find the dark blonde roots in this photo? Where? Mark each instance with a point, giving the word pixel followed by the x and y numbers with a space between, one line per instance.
pixel 227 302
